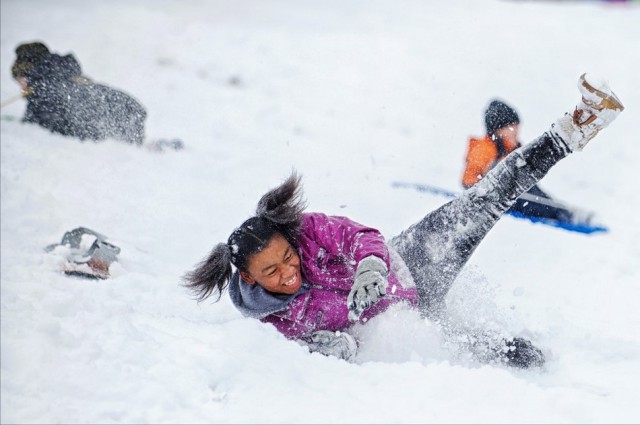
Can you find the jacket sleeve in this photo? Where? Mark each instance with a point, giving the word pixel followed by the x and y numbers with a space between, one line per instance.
pixel 343 237
pixel 318 309
pixel 481 157
pixel 290 328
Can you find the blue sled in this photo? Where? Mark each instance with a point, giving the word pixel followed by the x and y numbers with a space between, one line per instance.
pixel 573 227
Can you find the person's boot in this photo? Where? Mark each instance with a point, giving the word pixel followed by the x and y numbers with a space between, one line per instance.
pixel 597 108
pixel 491 348
pixel 92 263
pixel 95 263
pixel 521 353
pixel 73 238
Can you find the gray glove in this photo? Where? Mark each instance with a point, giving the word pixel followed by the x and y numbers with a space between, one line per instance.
pixel 337 344
pixel 369 285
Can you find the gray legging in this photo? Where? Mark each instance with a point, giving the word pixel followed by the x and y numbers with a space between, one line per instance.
pixel 437 247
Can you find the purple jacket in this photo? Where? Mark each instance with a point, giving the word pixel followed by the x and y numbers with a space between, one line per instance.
pixel 330 248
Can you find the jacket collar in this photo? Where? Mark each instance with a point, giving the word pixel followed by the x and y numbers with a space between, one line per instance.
pixel 256 302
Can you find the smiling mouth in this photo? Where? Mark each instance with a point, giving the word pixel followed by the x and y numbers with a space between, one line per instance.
pixel 290 281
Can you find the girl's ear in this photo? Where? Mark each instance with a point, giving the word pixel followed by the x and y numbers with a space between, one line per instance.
pixel 247 278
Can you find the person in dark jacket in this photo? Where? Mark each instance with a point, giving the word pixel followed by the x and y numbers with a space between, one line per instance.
pixel 313 276
pixel 62 100
pixel 502 129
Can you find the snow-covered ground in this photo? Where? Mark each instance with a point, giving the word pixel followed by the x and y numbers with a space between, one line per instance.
pixel 353 95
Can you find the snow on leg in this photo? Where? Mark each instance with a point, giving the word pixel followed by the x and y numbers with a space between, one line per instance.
pixel 436 248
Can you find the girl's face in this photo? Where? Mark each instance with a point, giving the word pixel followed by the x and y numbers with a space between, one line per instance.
pixel 276 268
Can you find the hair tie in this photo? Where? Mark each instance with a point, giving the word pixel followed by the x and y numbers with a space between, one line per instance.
pixel 225 252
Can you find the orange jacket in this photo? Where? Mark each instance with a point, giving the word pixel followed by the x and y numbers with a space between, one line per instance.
pixel 482 155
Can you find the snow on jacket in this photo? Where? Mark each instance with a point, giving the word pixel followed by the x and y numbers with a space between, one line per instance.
pixel 61 100
pixel 330 248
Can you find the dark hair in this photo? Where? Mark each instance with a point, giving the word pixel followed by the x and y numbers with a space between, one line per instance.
pixel 498 115
pixel 279 212
pixel 28 54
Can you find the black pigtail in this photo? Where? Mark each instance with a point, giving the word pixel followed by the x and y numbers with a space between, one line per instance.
pixel 283 205
pixel 210 275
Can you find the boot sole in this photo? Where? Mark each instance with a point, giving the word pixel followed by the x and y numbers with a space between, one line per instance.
pixel 85 271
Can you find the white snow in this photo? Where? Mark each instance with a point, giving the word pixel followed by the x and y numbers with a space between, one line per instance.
pixel 353 95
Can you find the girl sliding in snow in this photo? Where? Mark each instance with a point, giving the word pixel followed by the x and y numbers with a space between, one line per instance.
pixel 313 276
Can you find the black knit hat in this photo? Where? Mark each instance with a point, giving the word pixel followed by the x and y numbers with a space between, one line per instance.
pixel 498 115
pixel 28 54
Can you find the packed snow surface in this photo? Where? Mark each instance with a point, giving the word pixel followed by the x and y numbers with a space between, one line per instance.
pixel 353 95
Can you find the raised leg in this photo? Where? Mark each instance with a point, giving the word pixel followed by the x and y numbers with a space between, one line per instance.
pixel 437 247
